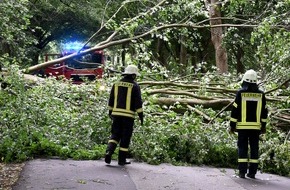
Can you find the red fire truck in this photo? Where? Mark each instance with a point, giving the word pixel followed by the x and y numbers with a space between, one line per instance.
pixel 83 67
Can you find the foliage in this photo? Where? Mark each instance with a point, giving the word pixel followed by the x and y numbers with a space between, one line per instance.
pixel 163 47
pixel 275 155
pixel 52 119
pixel 265 40
pixel 56 118
pixel 64 21
pixel 28 26
pixel 176 138
pixel 14 21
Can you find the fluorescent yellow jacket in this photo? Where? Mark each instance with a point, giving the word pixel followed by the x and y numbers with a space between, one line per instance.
pixel 249 110
pixel 125 98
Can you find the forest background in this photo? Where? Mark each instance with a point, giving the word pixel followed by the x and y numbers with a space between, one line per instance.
pixel 191 55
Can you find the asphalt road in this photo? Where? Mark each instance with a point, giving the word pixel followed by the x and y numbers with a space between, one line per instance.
pixel 55 174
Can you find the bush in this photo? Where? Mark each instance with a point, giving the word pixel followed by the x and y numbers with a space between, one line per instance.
pixel 42 119
pixel 71 121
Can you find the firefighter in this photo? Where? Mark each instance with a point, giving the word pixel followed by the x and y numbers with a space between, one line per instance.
pixel 248 118
pixel 125 100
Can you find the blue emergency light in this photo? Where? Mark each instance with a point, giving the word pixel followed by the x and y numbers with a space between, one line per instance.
pixel 72 47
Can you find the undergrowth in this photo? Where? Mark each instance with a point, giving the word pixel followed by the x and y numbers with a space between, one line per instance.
pixel 60 119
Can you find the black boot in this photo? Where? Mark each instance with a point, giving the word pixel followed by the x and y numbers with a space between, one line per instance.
pixel 108 157
pixel 110 151
pixel 251 176
pixel 252 170
pixel 124 163
pixel 122 158
pixel 242 175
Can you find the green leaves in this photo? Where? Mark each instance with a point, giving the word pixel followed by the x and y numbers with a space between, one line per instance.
pixel 56 118
pixel 14 21
pixel 43 119
pixel 178 138
pixel 275 153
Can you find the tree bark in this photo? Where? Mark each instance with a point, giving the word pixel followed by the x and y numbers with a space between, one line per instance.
pixel 214 104
pixel 239 57
pixel 160 52
pixel 216 36
pixel 182 56
pixel 189 86
pixel 123 55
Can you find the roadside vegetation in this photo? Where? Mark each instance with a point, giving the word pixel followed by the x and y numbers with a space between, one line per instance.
pixel 56 118
pixel 191 56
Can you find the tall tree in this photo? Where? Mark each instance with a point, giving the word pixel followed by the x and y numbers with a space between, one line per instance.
pixel 154 28
pixel 217 35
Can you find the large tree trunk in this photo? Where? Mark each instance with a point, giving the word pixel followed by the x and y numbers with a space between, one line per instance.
pixel 182 56
pixel 160 53
pixel 216 36
pixel 123 55
pixel 239 57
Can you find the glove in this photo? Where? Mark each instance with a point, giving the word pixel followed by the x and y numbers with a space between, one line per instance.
pixel 232 130
pixel 110 114
pixel 141 117
pixel 232 127
pixel 263 128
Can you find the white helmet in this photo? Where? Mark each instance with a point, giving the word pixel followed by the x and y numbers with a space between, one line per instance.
pixel 130 70
pixel 250 76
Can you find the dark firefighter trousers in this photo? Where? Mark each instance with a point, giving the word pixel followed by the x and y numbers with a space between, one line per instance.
pixel 121 132
pixel 248 137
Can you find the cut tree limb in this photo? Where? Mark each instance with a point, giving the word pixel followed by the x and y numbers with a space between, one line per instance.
pixel 206 117
pixel 214 104
pixel 227 107
pixel 278 87
pixel 186 85
pixel 178 92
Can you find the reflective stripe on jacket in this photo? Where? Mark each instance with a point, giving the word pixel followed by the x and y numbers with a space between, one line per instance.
pixel 125 98
pixel 249 110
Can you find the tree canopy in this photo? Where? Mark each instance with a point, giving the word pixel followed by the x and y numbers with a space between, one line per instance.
pixel 178 32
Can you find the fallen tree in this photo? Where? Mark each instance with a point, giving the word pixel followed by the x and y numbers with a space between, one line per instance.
pixel 214 104
pixel 190 95
pixel 281 119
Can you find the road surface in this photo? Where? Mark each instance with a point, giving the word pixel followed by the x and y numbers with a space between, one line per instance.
pixel 55 174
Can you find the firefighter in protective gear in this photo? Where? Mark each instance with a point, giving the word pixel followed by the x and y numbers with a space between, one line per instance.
pixel 248 118
pixel 125 100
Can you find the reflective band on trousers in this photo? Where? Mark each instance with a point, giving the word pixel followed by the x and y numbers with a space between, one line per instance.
pixel 253 160
pixel 113 141
pixel 243 160
pixel 248 160
pixel 124 149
